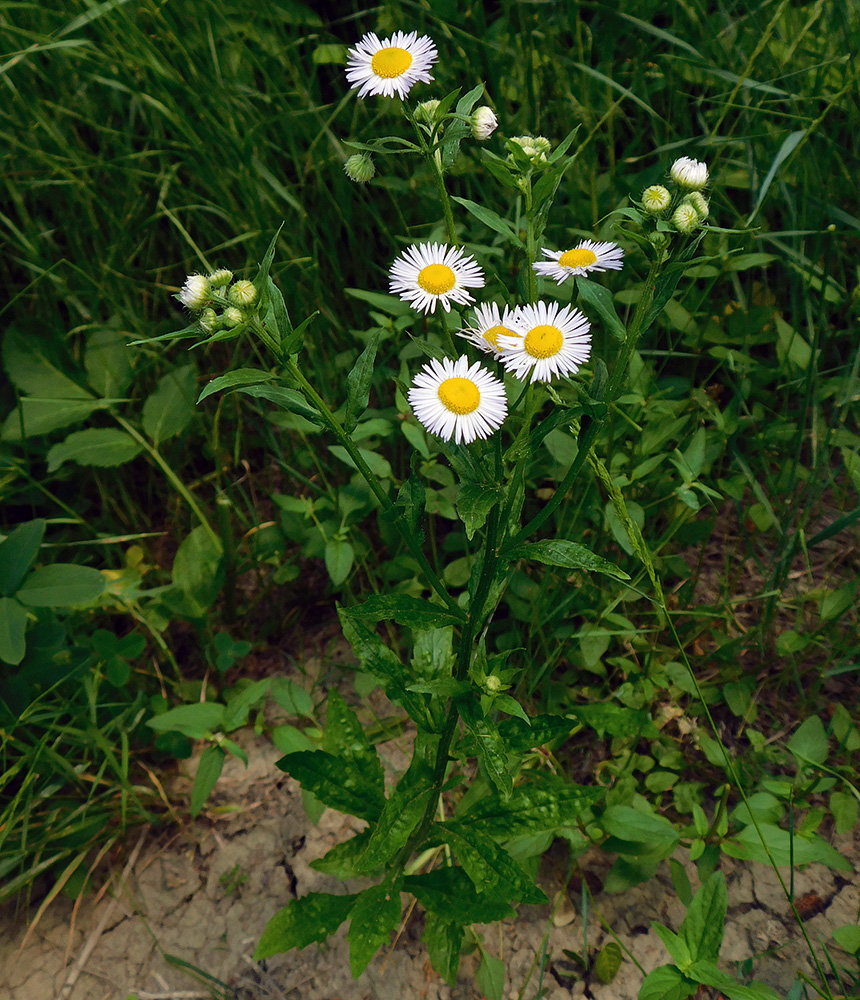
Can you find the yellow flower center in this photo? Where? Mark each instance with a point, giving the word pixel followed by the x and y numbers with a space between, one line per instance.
pixel 391 62
pixel 543 341
pixel 459 395
pixel 492 335
pixel 436 279
pixel 578 257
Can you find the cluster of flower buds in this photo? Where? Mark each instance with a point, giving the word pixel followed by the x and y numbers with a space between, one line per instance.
pixel 688 206
pixel 220 302
pixel 534 146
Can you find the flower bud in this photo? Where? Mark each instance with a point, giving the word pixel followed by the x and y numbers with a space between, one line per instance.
pixel 233 316
pixel 686 218
pixel 658 239
pixel 221 277
pixel 195 292
pixel 426 111
pixel 690 174
pixel 700 203
pixel 484 123
pixel 208 320
pixel 534 146
pixel 493 685
pixel 656 199
pixel 243 293
pixel 359 168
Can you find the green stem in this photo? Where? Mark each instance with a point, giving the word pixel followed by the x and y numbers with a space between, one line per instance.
pixel 172 478
pixel 531 244
pixel 380 494
pixel 434 158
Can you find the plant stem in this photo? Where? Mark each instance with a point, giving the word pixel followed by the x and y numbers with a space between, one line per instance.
pixel 531 245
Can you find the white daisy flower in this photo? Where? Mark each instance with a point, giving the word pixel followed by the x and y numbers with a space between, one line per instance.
pixel 586 256
pixel 433 272
pixel 488 325
pixel 454 399
pixel 556 342
pixel 390 66
pixel 690 174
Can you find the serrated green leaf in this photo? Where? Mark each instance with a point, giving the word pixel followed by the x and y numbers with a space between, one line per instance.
pixel 544 803
pixel 411 498
pixel 344 860
pixel 450 894
pixel 474 502
pixel 18 552
pixel 238 377
pixel 414 612
pixel 615 720
pixel 491 748
pixel 444 942
pixel 598 299
pixel 102 447
pixel 314 917
pixel 194 721
pixel 358 383
pixel 491 869
pixel 13 631
pixel 374 915
pixel 346 739
pixel 208 772
pixel 338 783
pixel 61 585
pixel 402 813
pixel 169 410
pixel 570 555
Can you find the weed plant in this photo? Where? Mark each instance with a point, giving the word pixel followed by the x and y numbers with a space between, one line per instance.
pixel 144 142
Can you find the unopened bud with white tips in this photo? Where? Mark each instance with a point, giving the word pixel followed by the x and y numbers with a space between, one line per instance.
pixel 484 123
pixel 359 168
pixel 223 276
pixel 690 174
pixel 195 293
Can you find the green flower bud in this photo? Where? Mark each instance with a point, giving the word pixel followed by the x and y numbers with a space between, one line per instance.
pixel 208 320
pixel 656 199
pixel 700 203
pixel 243 293
pixel 359 168
pixel 426 111
pixel 233 316
pixel 686 218
pixel 221 277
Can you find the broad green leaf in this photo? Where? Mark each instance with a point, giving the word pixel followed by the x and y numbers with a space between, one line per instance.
pixel 848 938
pixel 809 742
pixel 491 220
pixel 615 720
pixel 13 629
pixel 338 783
pixel 18 552
pixel 545 803
pixel 344 860
pixel 667 983
pixel 627 823
pixel 458 130
pixel 706 972
pixel 375 462
pixel 490 976
pixel 239 704
pixel 31 370
pixel 339 557
pixel 288 739
pixel 599 299
pixel 401 814
pixel 61 585
pixel 703 927
pixel 358 383
pixel 292 697
pixel 102 447
pixel 491 748
pixel 784 848
pixel 675 945
pixel 314 917
pixel 239 377
pixel 41 416
pixel 491 869
pixel 345 738
pixel 383 664
pixel 208 772
pixel 520 736
pixel 444 942
pixel 107 360
pixel 570 555
pixel 197 569
pixel 169 410
pixel 474 502
pixel 608 962
pixel 287 399
pixel 194 721
pixel 374 915
pixel 450 894
pixel 414 612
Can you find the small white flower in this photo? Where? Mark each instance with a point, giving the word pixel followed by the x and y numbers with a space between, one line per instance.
pixel 390 66
pixel 359 168
pixel 690 174
pixel 656 199
pixel 488 326
pixel 459 400
pixel 243 293
pixel 556 342
pixel 685 218
pixel 194 294
pixel 584 257
pixel 433 272
pixel 484 123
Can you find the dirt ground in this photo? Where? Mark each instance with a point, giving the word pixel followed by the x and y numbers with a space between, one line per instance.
pixel 182 919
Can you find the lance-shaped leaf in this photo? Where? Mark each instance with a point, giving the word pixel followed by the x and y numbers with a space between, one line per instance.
pixel 457 130
pixel 262 276
pixel 208 773
pixel 61 585
pixel 544 804
pixel 474 503
pixel 450 894
pixel 598 299
pixel 374 915
pixel 491 869
pixel 287 399
pixel 410 502
pixel 293 343
pixel 338 783
pixel 277 316
pixel 344 860
pixel 491 220
pixel 413 612
pixel 234 379
pixel 358 383
pixel 311 918
pixel 490 747
pixel 444 942
pixel 102 447
pixel 703 927
pixel 345 738
pixel 569 555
